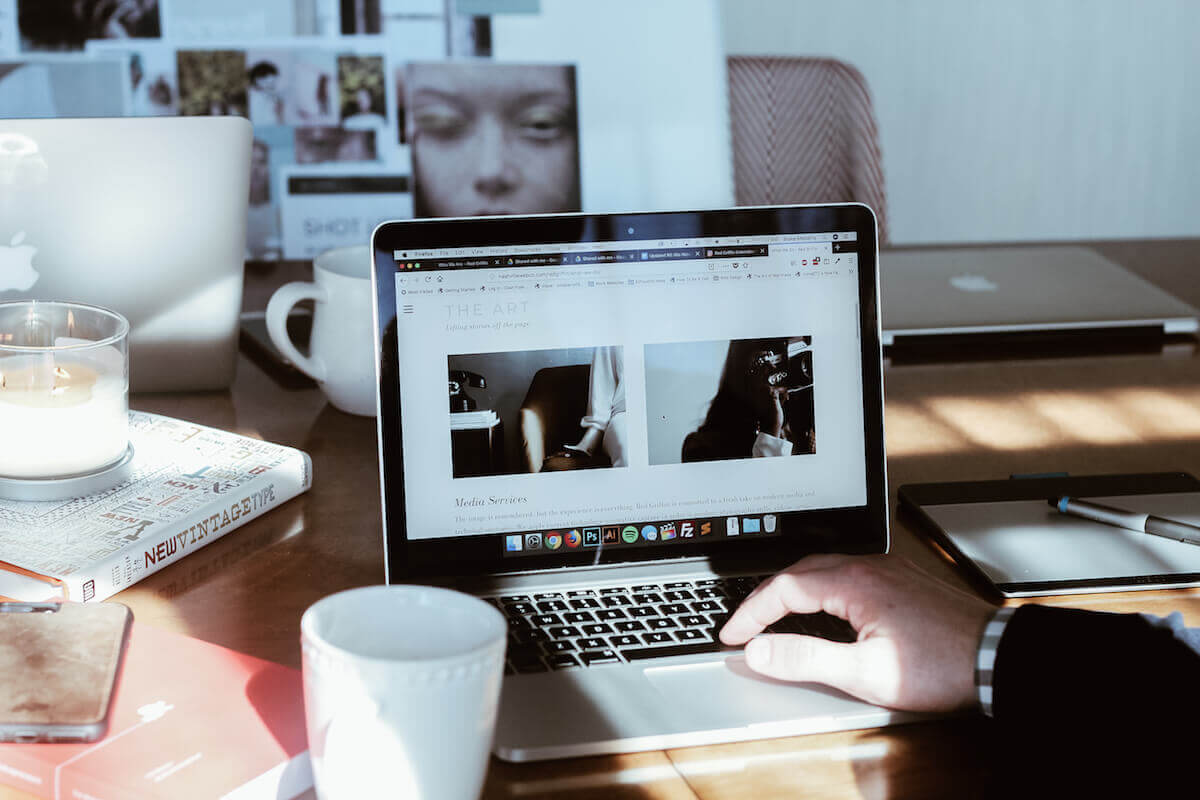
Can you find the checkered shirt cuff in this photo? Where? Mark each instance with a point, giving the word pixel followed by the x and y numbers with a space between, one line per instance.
pixel 985 660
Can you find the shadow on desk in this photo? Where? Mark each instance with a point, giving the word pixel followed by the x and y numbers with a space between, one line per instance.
pixel 948 758
pixel 345 458
pixel 951 758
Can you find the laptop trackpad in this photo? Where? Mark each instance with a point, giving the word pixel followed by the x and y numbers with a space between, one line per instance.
pixel 726 694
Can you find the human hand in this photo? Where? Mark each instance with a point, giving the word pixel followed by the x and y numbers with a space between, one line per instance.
pixel 917 636
pixel 766 393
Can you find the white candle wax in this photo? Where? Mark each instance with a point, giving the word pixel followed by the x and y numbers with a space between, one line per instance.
pixel 60 417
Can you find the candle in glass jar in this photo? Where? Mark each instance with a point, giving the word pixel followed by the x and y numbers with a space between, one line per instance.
pixel 60 417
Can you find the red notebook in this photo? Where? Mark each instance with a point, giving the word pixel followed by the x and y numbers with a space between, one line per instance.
pixel 191 720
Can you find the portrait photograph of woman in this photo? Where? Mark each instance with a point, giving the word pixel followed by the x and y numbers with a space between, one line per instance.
pixel 492 138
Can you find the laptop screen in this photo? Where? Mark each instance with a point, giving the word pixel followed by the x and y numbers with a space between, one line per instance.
pixel 628 388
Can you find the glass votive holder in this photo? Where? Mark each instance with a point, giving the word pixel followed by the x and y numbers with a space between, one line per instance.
pixel 64 399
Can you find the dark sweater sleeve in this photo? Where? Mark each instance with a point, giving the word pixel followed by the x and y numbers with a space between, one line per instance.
pixel 1093 673
pixel 1091 704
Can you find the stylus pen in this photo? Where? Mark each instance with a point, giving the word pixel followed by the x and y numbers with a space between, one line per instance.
pixel 1132 520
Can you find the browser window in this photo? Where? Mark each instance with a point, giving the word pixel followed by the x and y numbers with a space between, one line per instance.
pixel 628 394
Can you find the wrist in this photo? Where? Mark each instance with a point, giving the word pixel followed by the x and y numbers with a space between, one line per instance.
pixel 985 656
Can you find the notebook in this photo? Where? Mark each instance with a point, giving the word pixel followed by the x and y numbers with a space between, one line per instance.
pixel 1020 291
pixel 655 410
pixel 146 216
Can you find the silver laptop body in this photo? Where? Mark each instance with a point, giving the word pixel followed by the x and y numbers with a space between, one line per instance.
pixel 995 290
pixel 146 216
pixel 674 292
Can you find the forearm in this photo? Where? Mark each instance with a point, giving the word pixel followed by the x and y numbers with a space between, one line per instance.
pixel 1095 672
pixel 1091 704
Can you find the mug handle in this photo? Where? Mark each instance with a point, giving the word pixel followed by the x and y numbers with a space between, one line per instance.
pixel 278 308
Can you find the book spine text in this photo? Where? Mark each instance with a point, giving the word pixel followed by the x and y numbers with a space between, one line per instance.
pixel 184 536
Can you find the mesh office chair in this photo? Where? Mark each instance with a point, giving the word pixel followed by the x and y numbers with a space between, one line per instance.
pixel 803 131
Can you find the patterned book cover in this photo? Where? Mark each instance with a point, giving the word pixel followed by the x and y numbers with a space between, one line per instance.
pixel 191 720
pixel 190 485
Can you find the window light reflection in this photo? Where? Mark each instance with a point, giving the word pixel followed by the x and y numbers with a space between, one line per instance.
pixel 937 424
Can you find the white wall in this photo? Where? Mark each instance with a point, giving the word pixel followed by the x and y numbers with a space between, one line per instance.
pixel 653 117
pixel 1015 120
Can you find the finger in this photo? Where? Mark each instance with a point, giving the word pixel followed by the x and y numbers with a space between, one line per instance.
pixel 790 657
pixel 807 564
pixel 805 592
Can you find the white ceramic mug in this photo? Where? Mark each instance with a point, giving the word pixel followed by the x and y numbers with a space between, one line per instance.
pixel 342 348
pixel 401 691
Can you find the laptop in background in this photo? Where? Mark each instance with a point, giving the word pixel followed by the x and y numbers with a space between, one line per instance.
pixel 146 216
pixel 1020 290
pixel 617 562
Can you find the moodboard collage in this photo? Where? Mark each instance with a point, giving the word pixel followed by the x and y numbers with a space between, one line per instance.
pixel 363 110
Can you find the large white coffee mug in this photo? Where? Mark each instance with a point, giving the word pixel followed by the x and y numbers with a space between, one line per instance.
pixel 342 348
pixel 401 692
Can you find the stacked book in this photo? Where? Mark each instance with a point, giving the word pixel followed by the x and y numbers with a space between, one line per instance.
pixel 190 486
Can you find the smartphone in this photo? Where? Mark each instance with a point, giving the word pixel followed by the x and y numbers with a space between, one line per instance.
pixel 257 345
pixel 60 663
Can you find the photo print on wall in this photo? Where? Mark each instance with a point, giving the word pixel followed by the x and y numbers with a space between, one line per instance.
pixel 491 138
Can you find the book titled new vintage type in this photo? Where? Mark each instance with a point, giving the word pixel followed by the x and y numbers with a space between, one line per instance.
pixel 190 720
pixel 190 486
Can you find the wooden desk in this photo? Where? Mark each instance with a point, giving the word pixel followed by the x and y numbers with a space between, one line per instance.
pixel 973 419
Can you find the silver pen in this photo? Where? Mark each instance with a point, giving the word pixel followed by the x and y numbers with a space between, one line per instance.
pixel 1131 520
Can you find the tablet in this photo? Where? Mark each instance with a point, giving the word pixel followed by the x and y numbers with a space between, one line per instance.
pixel 1006 533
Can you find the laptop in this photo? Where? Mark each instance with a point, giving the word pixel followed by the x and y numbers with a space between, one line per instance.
pixel 1070 291
pixel 145 216
pixel 616 492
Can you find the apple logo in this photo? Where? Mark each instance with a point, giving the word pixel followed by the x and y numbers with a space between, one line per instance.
pixel 972 283
pixel 16 265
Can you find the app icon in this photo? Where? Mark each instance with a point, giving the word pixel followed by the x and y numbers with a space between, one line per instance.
pixel 731 527
pixel 705 528
pixel 554 540
pixel 612 535
pixel 591 537
pixel 751 525
pixel 769 523
pixel 573 539
pixel 687 530
pixel 513 543
pixel 649 533
pixel 533 541
pixel 667 530
pixel 629 534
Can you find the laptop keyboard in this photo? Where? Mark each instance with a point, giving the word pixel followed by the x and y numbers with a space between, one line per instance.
pixel 620 624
